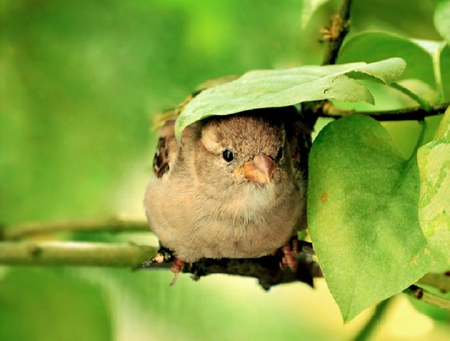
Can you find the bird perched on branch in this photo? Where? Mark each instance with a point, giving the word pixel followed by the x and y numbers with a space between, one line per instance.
pixel 234 188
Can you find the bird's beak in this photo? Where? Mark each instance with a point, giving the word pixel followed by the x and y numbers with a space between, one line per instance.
pixel 259 170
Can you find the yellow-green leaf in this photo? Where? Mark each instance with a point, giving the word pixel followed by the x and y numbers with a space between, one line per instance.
pixel 279 88
pixel 362 214
pixel 434 203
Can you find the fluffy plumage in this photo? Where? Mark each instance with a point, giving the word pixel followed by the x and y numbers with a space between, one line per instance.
pixel 234 188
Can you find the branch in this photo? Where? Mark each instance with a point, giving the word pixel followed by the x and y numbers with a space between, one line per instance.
pixel 335 34
pixel 266 269
pixel 407 114
pixel 74 254
pixel 427 297
pixel 20 231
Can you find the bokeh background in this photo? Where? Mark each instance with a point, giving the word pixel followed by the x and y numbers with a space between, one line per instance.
pixel 80 82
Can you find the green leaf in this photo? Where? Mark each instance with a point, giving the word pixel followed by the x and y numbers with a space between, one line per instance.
pixel 373 46
pixel 279 88
pixel 442 19
pixel 439 54
pixel 362 214
pixel 434 203
pixel 438 51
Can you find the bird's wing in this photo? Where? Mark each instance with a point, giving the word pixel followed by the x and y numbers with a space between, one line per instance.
pixel 299 136
pixel 164 149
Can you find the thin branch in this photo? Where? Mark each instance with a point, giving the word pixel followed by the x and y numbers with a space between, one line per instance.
pixel 407 114
pixel 367 331
pixel 335 34
pixel 21 231
pixel 74 254
pixel 266 269
pixel 427 297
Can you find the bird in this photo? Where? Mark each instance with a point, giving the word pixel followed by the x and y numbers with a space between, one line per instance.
pixel 235 187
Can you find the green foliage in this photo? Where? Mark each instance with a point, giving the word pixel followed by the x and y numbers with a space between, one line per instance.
pixel 363 195
pixel 434 204
pixel 385 45
pixel 431 54
pixel 362 213
pixel 79 84
pixel 278 88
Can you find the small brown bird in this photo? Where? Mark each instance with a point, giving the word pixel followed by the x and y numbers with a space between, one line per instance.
pixel 234 188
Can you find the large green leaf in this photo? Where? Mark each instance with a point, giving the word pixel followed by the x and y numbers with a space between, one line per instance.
pixel 278 88
pixel 362 214
pixel 442 19
pixel 373 46
pixel 434 203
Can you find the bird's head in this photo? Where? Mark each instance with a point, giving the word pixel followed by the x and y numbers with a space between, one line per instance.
pixel 244 148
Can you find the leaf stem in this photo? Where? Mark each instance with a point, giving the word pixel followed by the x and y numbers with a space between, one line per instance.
pixel 423 103
pixel 436 56
pixel 419 143
pixel 373 322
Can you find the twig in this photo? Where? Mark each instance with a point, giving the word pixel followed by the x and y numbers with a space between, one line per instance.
pixel 407 114
pixel 74 254
pixel 39 228
pixel 427 297
pixel 266 269
pixel 335 34
pixel 367 331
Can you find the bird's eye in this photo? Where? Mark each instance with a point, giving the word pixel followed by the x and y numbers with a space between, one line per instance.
pixel 228 155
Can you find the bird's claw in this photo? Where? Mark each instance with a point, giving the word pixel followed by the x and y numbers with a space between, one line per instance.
pixel 176 268
pixel 288 260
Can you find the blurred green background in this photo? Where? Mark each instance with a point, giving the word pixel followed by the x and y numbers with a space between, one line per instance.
pixel 79 84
